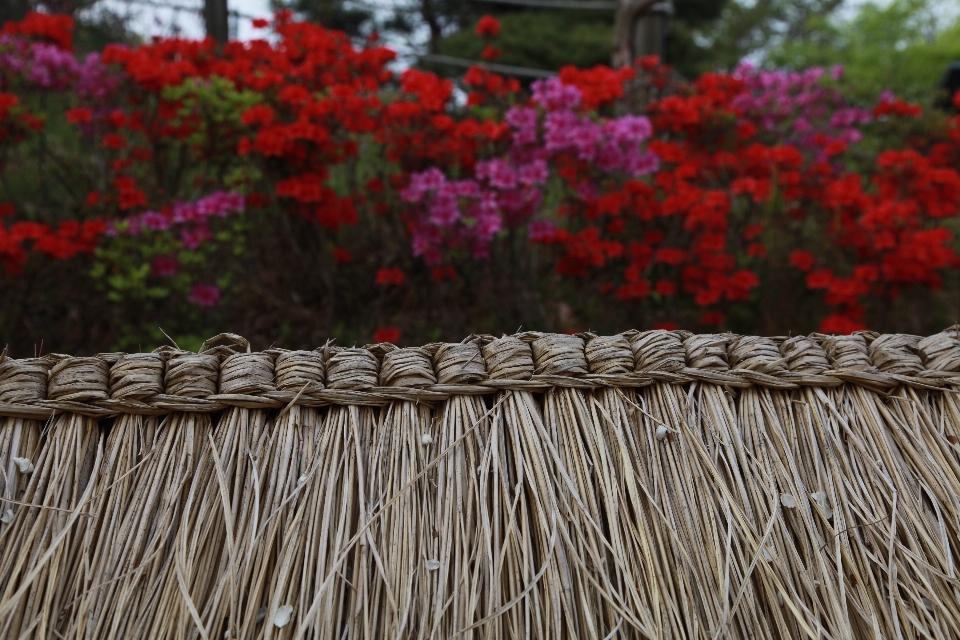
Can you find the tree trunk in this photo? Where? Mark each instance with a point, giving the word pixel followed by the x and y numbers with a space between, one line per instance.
pixel 433 23
pixel 623 24
pixel 215 18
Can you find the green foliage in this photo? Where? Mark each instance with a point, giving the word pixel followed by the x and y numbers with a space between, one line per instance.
pixel 687 51
pixel 124 267
pixel 96 31
pixel 684 53
pixel 219 104
pixel 542 39
pixel 746 27
pixel 550 39
pixel 900 47
pixel 334 14
pixel 697 13
pixel 123 272
pixel 439 16
pixel 215 106
pixel 41 170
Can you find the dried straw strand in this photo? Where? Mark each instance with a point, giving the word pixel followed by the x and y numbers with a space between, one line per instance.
pixel 42 559
pixel 643 485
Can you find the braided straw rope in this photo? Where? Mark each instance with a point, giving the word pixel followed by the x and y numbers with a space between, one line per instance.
pixel 654 484
pixel 169 380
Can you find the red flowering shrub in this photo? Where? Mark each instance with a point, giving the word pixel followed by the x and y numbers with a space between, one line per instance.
pixel 599 86
pixel 56 29
pixel 386 334
pixel 720 181
pixel 488 27
pixel 490 52
pixel 309 141
pixel 391 276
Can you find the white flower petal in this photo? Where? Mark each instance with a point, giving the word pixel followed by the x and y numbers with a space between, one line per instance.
pixel 7 516
pixel 426 438
pixel 282 617
pixel 820 498
pixel 24 464
pixel 788 501
pixel 433 565
pixel 661 432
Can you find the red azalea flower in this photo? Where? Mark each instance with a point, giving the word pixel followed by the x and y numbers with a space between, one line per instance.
pixel 712 318
pixel 444 272
pixel 204 295
pixel 80 115
pixel 168 265
pixel 341 256
pixel 114 141
pixel 386 334
pixel 488 27
pixel 802 260
pixel 55 28
pixel 490 52
pixel 116 118
pixel 666 326
pixel 753 231
pixel 390 276
pixel 666 287
pixel 840 323
pixel 756 250
pixel 128 195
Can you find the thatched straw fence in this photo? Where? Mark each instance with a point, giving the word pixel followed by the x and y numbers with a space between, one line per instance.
pixel 644 485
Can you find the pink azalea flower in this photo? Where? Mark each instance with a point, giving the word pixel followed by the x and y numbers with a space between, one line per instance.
pixel 204 295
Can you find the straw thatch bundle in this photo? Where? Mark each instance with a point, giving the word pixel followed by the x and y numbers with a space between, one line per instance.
pixel 21 381
pixel 39 578
pixel 651 484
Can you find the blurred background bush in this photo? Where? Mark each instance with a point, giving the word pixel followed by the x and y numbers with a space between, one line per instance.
pixel 86 158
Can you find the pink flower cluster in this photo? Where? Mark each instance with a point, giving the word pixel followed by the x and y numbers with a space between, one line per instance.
pixel 96 82
pixel 46 66
pixel 454 212
pixel 42 65
pixel 553 95
pixel 508 191
pixel 800 108
pixel 204 295
pixel 191 219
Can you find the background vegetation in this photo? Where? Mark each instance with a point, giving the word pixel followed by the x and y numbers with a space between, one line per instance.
pixel 294 275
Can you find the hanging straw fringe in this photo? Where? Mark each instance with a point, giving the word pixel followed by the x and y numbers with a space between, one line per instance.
pixel 227 506
pixel 42 564
pixel 646 485
pixel 20 381
pixel 119 500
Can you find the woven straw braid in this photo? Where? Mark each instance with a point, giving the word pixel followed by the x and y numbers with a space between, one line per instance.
pixel 218 377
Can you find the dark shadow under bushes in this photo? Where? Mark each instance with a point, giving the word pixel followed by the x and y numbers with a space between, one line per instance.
pixel 280 297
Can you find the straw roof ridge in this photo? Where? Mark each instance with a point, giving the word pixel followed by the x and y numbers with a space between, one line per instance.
pixel 220 376
pixel 658 484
